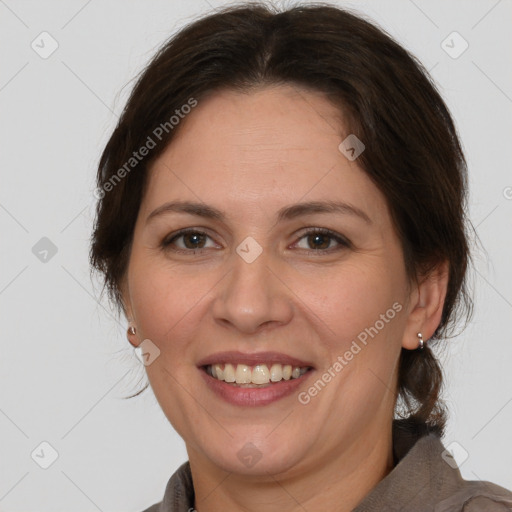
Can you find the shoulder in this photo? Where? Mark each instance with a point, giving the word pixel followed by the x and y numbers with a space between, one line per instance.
pixel 154 508
pixel 481 503
pixel 179 493
pixel 161 506
pixel 477 496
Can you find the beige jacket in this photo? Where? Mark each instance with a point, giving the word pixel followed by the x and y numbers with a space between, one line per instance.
pixel 424 479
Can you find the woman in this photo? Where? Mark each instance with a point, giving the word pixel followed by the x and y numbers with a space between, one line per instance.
pixel 282 220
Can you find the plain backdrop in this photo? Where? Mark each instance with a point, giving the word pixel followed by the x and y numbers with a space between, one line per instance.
pixel 65 364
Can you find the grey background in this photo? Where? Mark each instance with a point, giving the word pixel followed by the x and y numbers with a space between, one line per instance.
pixel 65 363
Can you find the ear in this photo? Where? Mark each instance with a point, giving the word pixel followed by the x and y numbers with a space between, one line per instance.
pixel 426 305
pixel 128 312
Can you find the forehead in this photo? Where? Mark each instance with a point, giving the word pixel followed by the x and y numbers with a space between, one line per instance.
pixel 264 148
pixel 268 121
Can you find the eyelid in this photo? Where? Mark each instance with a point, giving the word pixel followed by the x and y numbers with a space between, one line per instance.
pixel 341 240
pixel 168 240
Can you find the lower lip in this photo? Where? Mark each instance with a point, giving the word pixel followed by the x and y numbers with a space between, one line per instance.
pixel 254 396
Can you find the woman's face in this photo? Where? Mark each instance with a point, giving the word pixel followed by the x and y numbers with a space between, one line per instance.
pixel 252 277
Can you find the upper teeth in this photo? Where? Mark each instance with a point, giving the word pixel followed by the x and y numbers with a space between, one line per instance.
pixel 259 374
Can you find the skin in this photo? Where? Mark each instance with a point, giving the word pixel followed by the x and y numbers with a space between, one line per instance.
pixel 250 155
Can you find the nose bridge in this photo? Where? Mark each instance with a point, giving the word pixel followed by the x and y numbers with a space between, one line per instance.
pixel 251 295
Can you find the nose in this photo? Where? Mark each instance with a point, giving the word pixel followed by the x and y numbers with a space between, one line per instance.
pixel 253 296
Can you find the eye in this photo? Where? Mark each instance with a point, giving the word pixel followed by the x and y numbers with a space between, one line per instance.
pixel 321 239
pixel 189 240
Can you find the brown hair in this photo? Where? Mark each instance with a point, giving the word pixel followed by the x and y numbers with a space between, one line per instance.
pixel 412 154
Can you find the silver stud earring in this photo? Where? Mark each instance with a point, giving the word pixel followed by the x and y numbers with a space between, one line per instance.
pixel 421 343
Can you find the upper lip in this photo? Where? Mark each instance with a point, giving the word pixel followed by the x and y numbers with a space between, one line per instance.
pixel 252 359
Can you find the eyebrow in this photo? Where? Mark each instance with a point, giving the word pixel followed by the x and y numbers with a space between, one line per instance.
pixel 285 213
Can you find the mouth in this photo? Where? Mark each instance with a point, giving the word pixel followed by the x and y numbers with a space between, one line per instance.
pixel 254 379
pixel 257 376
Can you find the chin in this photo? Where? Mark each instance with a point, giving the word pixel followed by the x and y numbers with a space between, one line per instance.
pixel 243 457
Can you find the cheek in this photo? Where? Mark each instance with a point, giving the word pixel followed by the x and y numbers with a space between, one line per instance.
pixel 349 300
pixel 166 301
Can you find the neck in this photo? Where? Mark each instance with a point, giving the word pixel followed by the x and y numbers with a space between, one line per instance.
pixel 339 483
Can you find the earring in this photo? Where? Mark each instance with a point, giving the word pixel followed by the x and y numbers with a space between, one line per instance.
pixel 131 330
pixel 421 343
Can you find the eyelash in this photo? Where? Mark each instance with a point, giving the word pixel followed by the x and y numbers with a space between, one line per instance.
pixel 343 242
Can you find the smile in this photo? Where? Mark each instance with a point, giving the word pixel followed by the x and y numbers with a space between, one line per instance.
pixel 253 379
pixel 254 376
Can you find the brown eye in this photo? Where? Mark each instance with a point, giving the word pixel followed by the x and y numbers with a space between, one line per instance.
pixel 323 240
pixel 319 241
pixel 193 240
pixel 186 241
